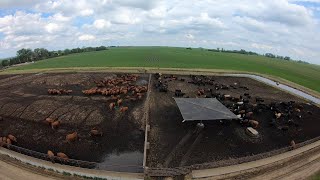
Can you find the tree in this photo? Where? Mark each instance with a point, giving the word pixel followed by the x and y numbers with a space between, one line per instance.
pixel 67 51
pixel 5 63
pixel 287 58
pixel 270 55
pixel 41 53
pixel 25 55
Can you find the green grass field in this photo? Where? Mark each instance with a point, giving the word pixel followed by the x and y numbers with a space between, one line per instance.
pixel 304 74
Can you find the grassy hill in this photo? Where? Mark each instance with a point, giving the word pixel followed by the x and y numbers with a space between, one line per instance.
pixel 166 57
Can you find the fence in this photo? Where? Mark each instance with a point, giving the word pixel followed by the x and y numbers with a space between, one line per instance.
pixel 55 159
pixel 178 171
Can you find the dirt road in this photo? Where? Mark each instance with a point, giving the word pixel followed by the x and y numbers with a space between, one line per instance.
pixel 12 172
pixel 301 163
pixel 301 169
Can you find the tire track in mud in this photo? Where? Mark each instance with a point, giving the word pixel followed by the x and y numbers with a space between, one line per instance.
pixel 69 111
pixel 23 80
pixel 56 110
pixel 3 105
pixel 88 115
pixel 24 110
pixel 13 112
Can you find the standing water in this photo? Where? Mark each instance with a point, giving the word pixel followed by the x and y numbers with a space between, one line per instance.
pixel 123 162
pixel 280 86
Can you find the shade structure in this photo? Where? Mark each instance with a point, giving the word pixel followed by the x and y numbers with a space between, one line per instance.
pixel 193 109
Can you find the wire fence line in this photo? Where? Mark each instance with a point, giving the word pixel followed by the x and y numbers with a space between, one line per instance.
pixel 59 160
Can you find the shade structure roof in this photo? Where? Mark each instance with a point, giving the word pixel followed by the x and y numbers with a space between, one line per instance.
pixel 193 109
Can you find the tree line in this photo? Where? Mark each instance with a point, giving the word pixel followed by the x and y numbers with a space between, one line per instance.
pixel 269 55
pixel 29 55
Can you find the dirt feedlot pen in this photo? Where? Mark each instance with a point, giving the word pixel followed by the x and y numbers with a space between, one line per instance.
pixel 25 104
pixel 175 144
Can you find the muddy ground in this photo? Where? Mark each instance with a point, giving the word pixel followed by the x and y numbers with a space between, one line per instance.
pixel 173 143
pixel 25 104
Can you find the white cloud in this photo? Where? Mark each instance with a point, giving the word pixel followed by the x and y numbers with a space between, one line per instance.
pixel 86 12
pixel 189 36
pixel 52 27
pixel 285 27
pixel 262 46
pixel 17 3
pixel 101 24
pixel 86 37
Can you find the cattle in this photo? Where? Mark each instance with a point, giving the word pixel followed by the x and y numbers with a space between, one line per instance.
pixel 297 110
pixel 12 138
pixel 293 144
pixel 72 137
pixel 254 123
pixel 119 102
pixel 55 124
pixel 249 114
pixel 62 155
pixel 50 155
pixel 179 93
pixel 4 139
pixel 8 141
pixel 95 132
pixel 242 111
pixel 111 106
pixel 123 109
pixel 49 121
pixel 278 115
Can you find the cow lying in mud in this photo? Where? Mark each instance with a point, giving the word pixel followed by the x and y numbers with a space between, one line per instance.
pixel 10 139
pixel 72 137
pixel 61 155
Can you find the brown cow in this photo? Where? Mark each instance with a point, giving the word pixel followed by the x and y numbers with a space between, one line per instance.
pixel 50 155
pixel 124 109
pixel 12 138
pixel 254 123
pixel 72 137
pixel 95 132
pixel 119 102
pixel 9 141
pixel 242 111
pixel 49 121
pixel 55 124
pixel 111 106
pixel 62 155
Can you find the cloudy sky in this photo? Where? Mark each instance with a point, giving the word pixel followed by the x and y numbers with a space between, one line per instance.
pixel 284 27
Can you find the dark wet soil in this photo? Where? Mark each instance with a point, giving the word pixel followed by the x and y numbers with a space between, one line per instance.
pixel 25 103
pixel 224 140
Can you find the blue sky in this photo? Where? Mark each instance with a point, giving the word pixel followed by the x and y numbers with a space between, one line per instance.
pixel 283 27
